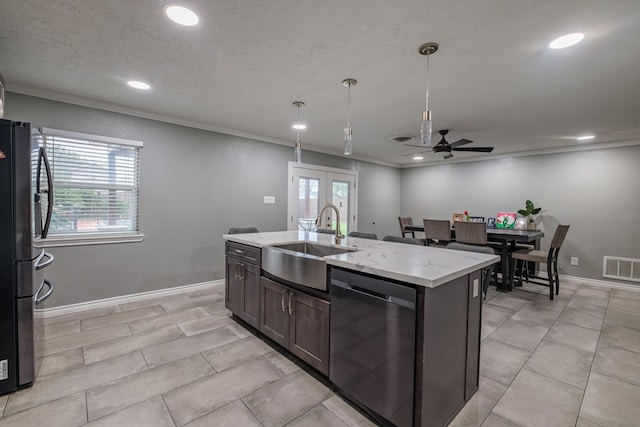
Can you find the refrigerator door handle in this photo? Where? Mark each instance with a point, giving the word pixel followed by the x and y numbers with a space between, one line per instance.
pixel 40 266
pixel 38 299
pixel 43 157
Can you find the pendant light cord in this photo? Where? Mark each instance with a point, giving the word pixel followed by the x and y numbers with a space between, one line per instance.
pixel 427 92
pixel 298 126
pixel 349 106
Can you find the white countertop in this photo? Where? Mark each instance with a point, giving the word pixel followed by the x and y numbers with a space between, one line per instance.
pixel 420 265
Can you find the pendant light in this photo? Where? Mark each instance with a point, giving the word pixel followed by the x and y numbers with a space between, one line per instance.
pixel 425 130
pixel 348 134
pixel 297 150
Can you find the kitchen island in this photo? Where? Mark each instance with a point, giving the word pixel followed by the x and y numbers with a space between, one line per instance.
pixel 396 329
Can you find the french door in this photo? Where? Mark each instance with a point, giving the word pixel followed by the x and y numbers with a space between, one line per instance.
pixel 311 187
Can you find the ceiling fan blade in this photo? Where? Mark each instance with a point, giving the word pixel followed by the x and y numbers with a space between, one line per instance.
pixel 448 156
pixel 476 149
pixel 460 142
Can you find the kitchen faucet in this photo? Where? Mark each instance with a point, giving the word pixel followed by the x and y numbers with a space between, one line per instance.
pixel 335 208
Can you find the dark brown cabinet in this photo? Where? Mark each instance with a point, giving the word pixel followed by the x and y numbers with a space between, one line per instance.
pixel 242 287
pixel 297 321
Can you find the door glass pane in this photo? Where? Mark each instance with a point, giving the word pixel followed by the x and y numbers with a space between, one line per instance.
pixel 340 198
pixel 308 202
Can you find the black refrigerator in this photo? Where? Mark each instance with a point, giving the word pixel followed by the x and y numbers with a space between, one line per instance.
pixel 26 202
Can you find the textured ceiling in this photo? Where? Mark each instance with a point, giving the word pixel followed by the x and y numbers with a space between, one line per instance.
pixel 492 81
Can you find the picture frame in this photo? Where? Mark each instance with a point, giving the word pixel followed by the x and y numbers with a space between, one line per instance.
pixel 457 217
pixel 491 223
pixel 476 218
pixel 521 224
pixel 506 220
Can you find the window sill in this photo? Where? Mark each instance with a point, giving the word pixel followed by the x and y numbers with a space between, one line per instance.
pixel 60 241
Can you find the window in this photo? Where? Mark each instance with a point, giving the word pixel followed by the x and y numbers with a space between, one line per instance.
pixel 96 183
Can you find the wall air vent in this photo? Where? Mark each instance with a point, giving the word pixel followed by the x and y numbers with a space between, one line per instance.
pixel 621 268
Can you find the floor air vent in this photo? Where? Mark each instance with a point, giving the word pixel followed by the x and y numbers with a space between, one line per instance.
pixel 621 268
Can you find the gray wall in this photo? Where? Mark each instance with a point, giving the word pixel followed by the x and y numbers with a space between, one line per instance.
pixel 596 192
pixel 195 184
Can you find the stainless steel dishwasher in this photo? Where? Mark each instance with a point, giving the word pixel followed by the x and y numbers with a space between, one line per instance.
pixel 372 363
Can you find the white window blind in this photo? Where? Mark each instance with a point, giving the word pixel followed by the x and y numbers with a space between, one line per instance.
pixel 96 183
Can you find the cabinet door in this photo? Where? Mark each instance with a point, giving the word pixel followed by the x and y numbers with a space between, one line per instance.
pixel 233 286
pixel 309 334
pixel 274 315
pixel 251 295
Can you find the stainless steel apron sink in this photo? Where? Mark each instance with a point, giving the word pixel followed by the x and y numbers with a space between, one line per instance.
pixel 301 263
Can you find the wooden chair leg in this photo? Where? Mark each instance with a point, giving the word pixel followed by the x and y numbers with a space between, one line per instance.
pixel 486 280
pixel 551 279
pixel 557 276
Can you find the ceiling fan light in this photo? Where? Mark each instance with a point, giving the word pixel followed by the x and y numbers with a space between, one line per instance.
pixel 418 157
pixel 442 154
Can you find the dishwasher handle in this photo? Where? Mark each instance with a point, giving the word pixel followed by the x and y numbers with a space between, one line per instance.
pixel 375 295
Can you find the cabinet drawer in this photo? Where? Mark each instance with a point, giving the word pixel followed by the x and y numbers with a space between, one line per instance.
pixel 246 253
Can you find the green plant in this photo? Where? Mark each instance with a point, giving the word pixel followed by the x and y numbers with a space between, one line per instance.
pixel 529 210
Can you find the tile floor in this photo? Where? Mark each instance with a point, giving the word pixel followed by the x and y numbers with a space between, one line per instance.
pixel 181 361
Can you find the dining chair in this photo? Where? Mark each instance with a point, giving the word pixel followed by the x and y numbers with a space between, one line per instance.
pixel 488 271
pixel 407 240
pixel 472 237
pixel 404 222
pixel 437 232
pixel 325 231
pixel 550 258
pixel 243 230
pixel 371 236
pixel 472 233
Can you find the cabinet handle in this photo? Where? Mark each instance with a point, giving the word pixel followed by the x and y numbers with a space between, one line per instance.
pixel 282 301
pixel 290 306
pixel 241 277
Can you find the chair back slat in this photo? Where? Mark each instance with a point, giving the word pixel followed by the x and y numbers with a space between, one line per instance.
pixel 407 240
pixel 371 236
pixel 243 230
pixel 558 236
pixel 473 233
pixel 437 229
pixel 404 221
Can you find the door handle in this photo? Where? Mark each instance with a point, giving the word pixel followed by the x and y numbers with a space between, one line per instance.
pixel 38 299
pixel 282 301
pixel 290 307
pixel 241 277
pixel 40 266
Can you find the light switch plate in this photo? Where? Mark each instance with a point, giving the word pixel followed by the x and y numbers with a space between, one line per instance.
pixel 269 200
pixel 476 284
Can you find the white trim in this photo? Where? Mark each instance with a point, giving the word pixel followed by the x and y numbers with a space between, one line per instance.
pixel 593 282
pixel 600 283
pixel 89 137
pixel 106 302
pixel 54 241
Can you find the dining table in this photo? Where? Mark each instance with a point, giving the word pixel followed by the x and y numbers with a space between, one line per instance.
pixel 508 238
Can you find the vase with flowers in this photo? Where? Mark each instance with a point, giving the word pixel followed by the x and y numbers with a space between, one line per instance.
pixel 529 211
pixel 466 215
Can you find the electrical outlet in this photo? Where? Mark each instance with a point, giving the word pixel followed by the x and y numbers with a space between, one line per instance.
pixel 574 260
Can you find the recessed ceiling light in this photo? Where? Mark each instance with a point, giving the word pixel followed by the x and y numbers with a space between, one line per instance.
pixel 299 126
pixel 418 157
pixel 181 15
pixel 566 40
pixel 585 137
pixel 139 85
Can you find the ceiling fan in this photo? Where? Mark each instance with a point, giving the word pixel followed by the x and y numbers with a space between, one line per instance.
pixel 443 148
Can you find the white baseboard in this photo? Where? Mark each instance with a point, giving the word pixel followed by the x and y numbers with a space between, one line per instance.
pixel 593 282
pixel 89 305
pixel 601 283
